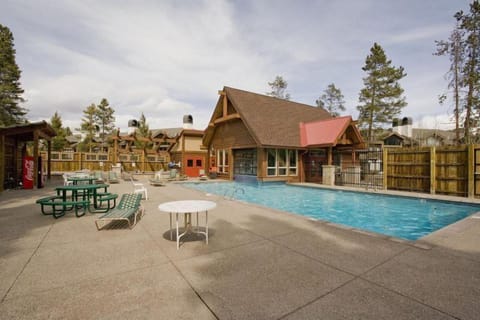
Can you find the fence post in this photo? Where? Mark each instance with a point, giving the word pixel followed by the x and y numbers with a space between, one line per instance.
pixel 433 181
pixel 471 170
pixel 385 168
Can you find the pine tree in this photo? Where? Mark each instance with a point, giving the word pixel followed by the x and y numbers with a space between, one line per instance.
pixel 60 140
pixel 144 132
pixel 10 91
pixel 332 100
pixel 279 87
pixel 469 23
pixel 89 127
pixel 453 48
pixel 381 99
pixel 104 119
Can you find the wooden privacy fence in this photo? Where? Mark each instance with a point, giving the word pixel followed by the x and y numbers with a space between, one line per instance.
pixel 98 161
pixel 437 170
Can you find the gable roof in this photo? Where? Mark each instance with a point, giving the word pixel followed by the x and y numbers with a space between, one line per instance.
pixel 271 121
pixel 329 132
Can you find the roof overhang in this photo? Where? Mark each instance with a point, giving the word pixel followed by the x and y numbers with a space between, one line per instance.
pixel 330 133
pixel 27 132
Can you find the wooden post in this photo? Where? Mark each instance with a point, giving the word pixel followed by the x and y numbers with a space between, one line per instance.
pixel 49 161
pixel 35 159
pixel 471 170
pixel 385 168
pixel 230 163
pixel 433 180
pixel 261 167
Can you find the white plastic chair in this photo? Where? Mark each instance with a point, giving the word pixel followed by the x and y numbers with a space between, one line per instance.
pixel 66 182
pixel 139 187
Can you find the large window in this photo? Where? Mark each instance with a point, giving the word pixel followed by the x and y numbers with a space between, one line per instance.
pixel 245 162
pixel 282 162
pixel 222 161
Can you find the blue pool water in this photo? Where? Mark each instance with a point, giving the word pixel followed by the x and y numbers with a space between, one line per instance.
pixel 402 217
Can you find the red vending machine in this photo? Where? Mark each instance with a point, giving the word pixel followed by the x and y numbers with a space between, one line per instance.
pixel 28 172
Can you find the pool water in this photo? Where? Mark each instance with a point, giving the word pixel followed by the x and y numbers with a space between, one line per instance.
pixel 403 217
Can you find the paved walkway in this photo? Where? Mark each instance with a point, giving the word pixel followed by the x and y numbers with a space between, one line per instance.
pixel 259 264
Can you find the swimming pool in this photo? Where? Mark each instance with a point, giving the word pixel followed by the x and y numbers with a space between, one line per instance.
pixel 402 217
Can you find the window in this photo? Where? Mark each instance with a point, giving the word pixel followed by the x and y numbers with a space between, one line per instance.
pixel 222 161
pixel 281 162
pixel 245 162
pixel 198 163
pixel 190 163
pixel 292 162
pixel 271 162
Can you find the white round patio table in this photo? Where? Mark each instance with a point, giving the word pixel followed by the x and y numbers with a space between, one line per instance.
pixel 187 207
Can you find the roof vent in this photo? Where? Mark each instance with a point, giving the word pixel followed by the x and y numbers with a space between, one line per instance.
pixel 187 121
pixel 132 124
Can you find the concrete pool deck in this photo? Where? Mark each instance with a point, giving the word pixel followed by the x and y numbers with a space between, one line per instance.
pixel 259 264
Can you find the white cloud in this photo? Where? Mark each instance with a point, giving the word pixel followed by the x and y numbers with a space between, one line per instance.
pixel 169 58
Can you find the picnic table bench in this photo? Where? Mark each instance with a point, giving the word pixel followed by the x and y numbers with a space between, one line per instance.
pixel 59 206
pixel 78 198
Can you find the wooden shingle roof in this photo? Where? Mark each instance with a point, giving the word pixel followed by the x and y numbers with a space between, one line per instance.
pixel 272 122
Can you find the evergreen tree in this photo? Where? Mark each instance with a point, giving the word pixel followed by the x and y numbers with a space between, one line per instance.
pixel 453 48
pixel 279 87
pixel 89 127
pixel 104 119
pixel 60 140
pixel 469 23
pixel 332 100
pixel 144 132
pixel 10 91
pixel 381 99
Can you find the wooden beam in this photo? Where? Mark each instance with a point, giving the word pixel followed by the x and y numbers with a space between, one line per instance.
pixel 471 170
pixel 225 105
pixel 433 181
pixel 227 118
pixel 49 161
pixel 330 156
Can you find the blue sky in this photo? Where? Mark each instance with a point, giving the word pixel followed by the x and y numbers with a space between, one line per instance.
pixel 169 58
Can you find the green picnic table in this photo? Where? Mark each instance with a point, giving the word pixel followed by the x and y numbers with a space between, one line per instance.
pixel 87 192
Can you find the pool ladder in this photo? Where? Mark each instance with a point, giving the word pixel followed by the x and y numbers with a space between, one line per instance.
pixel 232 194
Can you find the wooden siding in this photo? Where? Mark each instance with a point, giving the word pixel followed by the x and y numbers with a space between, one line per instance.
pixel 232 134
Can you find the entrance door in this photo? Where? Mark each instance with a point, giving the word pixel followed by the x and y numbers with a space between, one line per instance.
pixel 313 162
pixel 193 166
